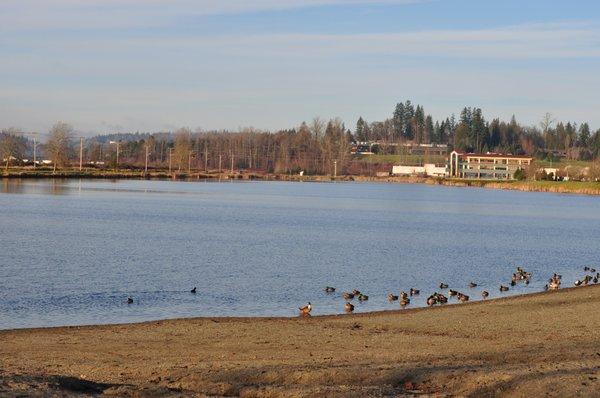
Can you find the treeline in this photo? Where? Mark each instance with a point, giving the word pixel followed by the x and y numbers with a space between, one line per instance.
pixel 316 147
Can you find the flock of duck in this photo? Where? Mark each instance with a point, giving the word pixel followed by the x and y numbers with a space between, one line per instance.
pixel 438 298
pixel 520 276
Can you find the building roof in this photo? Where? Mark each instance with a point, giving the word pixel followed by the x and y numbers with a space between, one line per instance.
pixel 493 155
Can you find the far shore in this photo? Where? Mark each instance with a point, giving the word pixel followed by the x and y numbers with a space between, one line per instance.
pixel 543 344
pixel 566 187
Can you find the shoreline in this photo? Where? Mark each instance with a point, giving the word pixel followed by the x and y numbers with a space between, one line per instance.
pixel 530 345
pixel 374 313
pixel 561 187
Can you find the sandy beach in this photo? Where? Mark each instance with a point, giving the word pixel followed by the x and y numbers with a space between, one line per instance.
pixel 545 344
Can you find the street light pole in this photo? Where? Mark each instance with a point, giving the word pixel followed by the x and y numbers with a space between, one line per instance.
pixel 146 165
pixel 80 153
pixel 334 168
pixel 34 151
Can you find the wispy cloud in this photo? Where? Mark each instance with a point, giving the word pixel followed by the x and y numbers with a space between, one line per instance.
pixel 535 41
pixel 521 42
pixel 24 15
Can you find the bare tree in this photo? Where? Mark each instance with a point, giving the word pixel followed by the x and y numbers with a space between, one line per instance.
pixel 59 144
pixel 11 145
pixel 317 127
pixel 546 124
pixel 183 146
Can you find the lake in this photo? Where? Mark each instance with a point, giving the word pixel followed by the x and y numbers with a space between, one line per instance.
pixel 73 251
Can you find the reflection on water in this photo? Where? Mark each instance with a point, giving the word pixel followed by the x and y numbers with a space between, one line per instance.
pixel 47 186
pixel 71 251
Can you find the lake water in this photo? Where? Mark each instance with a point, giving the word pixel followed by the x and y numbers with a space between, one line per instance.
pixel 71 252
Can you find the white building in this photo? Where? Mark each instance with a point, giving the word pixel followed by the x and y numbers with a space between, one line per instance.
pixel 428 169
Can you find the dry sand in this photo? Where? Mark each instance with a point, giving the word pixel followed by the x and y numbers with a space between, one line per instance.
pixel 538 345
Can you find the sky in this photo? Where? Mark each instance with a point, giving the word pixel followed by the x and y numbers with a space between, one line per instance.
pixel 107 66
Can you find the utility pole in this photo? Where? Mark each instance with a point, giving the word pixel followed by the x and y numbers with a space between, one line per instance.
pixel 190 162
pixel 220 158
pixel 80 153
pixel 232 163
pixel 117 143
pixel 205 159
pixel 146 165
pixel 34 151
pixel 334 168
pixel 170 157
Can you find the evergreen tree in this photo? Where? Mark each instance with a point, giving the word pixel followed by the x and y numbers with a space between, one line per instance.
pixel 438 132
pixel 495 135
pixel 361 133
pixel 466 117
pixel 419 120
pixel 429 130
pixel 461 137
pixel 398 121
pixel 584 135
pixel 409 122
pixel 478 130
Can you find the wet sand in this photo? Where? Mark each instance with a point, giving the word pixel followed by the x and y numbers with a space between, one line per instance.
pixel 544 344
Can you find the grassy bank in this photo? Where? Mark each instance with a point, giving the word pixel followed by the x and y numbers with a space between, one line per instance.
pixel 570 187
pixel 537 345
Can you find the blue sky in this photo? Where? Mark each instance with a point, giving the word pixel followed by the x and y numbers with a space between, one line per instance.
pixel 149 65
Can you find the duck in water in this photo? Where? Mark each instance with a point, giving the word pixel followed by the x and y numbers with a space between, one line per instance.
pixel 193 290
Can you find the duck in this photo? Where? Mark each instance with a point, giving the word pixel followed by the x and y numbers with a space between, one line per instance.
pixel 129 300
pixel 329 289
pixel 362 297
pixel 193 290
pixel 553 285
pixel 348 307
pixel 586 269
pixel 592 270
pixel 595 280
pixel 404 302
pixel 356 292
pixel 348 296
pixel 443 286
pixel 578 282
pixel 442 299
pixel 305 310
pixel 503 288
pixel 546 287
pixel 452 293
pixel 463 297
pixel 513 283
pixel 414 292
pixel 392 297
pixel 485 294
pixel 472 284
pixel 431 300
pixel 403 295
